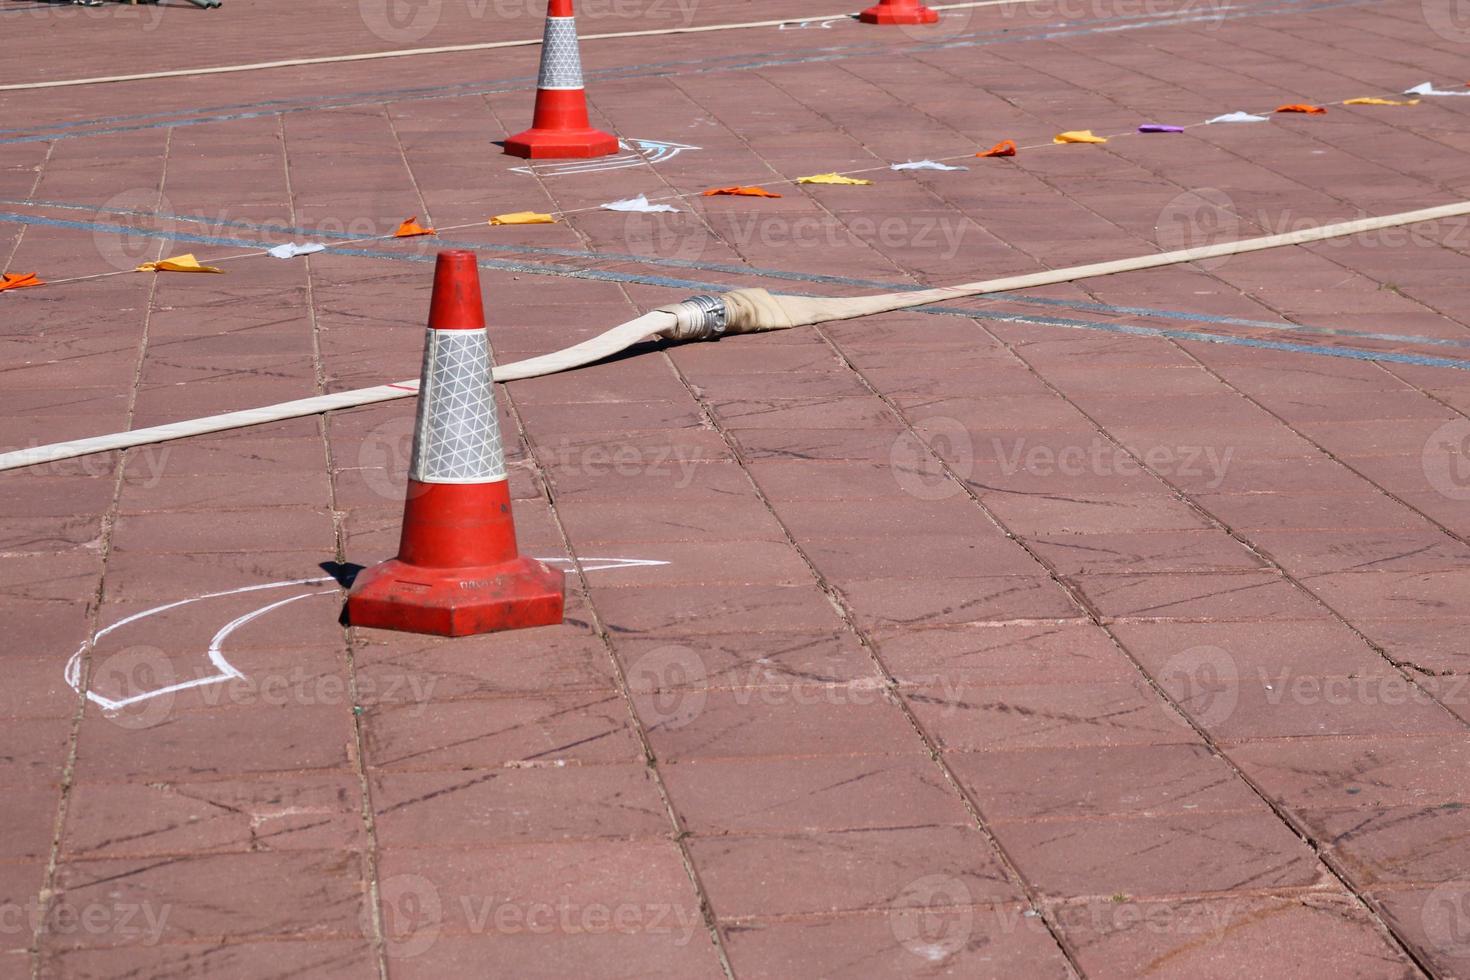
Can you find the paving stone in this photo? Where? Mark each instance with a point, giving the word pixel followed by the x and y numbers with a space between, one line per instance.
pixel 1197 937
pixel 1394 845
pixel 1160 855
pixel 154 739
pixel 801 720
pixel 181 900
pixel 106 819
pixel 984 940
pixel 940 601
pixel 1039 716
pixel 1072 782
pixel 663 955
pixel 1431 920
pixel 775 660
pixel 981 655
pixel 321 958
pixel 1198 596
pixel 1373 771
pixel 482 807
pixel 555 891
pixel 825 872
pixel 484 734
pixel 825 839
pixel 722 796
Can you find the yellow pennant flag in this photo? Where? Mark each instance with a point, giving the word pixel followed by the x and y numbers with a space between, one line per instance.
pixel 830 179
pixel 1369 100
pixel 1078 136
pixel 523 218
pixel 179 263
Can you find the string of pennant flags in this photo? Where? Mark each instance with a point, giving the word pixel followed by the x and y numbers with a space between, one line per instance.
pixel 410 227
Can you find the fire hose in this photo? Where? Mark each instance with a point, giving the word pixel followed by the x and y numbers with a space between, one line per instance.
pixel 746 310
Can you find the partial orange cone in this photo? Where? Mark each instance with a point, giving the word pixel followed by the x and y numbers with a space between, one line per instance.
pixel 458 571
pixel 899 12
pixel 560 128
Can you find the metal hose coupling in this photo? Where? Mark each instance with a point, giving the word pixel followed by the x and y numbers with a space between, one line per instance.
pixel 700 318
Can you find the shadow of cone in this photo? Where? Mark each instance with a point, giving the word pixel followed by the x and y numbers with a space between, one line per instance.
pixel 458 571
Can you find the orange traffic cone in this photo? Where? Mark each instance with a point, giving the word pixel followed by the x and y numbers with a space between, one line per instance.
pixel 899 12
pixel 457 570
pixel 560 128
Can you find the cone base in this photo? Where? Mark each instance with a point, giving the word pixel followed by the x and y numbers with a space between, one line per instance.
pixel 886 14
pixel 457 601
pixel 559 144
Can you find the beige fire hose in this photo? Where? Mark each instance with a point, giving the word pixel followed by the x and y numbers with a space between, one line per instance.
pixel 708 318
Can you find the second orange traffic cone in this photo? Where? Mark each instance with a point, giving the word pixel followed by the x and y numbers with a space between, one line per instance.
pixel 560 128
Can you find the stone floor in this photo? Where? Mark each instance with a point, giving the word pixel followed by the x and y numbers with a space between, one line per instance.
pixel 1103 630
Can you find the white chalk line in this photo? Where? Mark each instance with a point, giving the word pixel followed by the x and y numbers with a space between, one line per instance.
pixel 802 25
pixel 455 49
pixel 645 152
pixel 73 670
pixel 226 671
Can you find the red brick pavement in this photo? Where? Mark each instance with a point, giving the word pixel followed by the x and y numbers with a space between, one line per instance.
pixel 1003 645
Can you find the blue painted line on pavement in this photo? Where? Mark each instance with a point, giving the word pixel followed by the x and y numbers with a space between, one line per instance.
pixel 695 285
pixel 292 233
pixel 701 66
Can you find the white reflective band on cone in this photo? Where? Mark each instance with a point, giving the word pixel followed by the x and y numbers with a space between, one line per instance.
pixel 457 435
pixel 561 64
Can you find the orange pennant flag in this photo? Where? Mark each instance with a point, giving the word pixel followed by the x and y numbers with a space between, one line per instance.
pixel 411 227
pixel 1005 148
pixel 18 280
pixel 1314 110
pixel 740 192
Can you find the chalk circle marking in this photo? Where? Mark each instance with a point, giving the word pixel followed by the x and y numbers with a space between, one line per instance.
pixel 226 671
pixel 637 152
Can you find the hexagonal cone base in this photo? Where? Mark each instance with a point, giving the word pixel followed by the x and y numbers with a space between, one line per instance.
pixel 561 144
pixel 889 14
pixel 457 601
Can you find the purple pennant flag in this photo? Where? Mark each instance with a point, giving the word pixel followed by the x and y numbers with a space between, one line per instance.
pixel 1156 128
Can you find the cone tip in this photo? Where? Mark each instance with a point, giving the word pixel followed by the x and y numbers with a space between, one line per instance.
pixel 456 301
